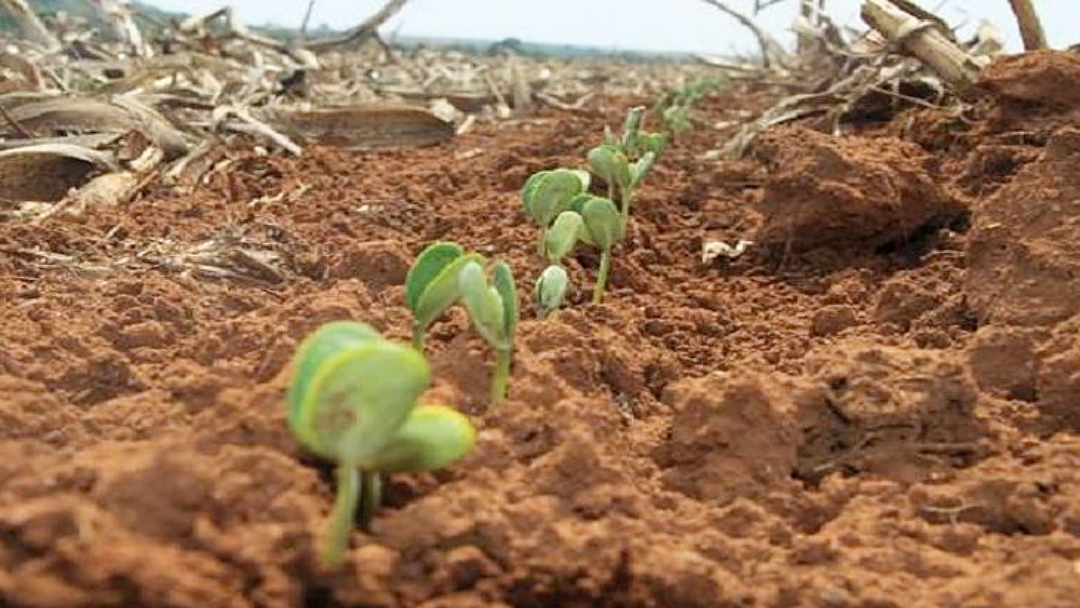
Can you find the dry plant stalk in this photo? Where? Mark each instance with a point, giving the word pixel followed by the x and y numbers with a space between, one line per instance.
pixel 365 30
pixel 772 54
pixel 30 25
pixel 119 16
pixel 1031 29
pixel 923 39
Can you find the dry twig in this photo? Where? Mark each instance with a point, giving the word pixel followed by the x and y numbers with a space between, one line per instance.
pixel 772 54
pixel 1031 29
pixel 362 32
pixel 30 25
pixel 924 39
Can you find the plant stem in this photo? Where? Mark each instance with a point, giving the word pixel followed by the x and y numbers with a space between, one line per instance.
pixel 342 514
pixel 500 378
pixel 418 338
pixel 370 497
pixel 602 277
pixel 541 245
pixel 626 197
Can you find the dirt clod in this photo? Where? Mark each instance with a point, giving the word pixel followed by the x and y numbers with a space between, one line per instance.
pixel 824 191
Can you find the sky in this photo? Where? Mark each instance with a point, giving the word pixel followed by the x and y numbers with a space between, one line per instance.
pixel 650 25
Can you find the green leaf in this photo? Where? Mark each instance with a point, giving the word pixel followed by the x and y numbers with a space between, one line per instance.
pixel 631 126
pixel 577 206
pixel 504 285
pixel 552 195
pixel 441 292
pixel 610 164
pixel 562 236
pixel 603 222
pixel 641 167
pixel 428 265
pixel 551 288
pixel 358 398
pixel 609 137
pixel 528 191
pixel 653 142
pixel 483 303
pixel 433 437
pixel 585 177
pixel 325 342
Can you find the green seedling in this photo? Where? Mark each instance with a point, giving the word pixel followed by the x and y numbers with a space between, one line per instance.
pixel 610 164
pixel 622 176
pixel 431 286
pixel 603 228
pixel 445 274
pixel 546 194
pixel 550 290
pixel 674 108
pixel 623 162
pixel 494 312
pixel 352 400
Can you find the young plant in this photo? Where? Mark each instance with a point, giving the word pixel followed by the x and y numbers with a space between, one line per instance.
pixel 623 163
pixel 546 194
pixel 494 312
pixel 431 286
pixel 603 228
pixel 445 274
pixel 352 400
pixel 674 108
pixel 550 290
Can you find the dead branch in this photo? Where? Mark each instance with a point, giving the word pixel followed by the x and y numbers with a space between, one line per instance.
pixel 199 25
pixel 1031 29
pixel 810 11
pixel 772 54
pixel 118 14
pixel 362 32
pixel 30 24
pixel 924 39
pixel 250 125
pixel 307 18
pixel 760 5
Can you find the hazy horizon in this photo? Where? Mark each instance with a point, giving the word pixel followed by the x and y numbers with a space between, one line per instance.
pixel 686 25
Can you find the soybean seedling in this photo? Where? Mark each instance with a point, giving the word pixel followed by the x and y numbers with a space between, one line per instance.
pixel 352 400
pixel 444 274
pixel 550 290
pixel 546 194
pixel 623 162
pixel 494 312
pixel 674 108
pixel 431 286
pixel 603 228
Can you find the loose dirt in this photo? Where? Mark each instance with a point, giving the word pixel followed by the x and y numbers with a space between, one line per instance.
pixel 876 406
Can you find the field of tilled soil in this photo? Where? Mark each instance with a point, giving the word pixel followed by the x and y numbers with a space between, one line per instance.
pixel 875 406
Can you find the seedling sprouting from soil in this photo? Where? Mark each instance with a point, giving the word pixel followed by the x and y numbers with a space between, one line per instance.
pixel 623 162
pixel 494 312
pixel 431 285
pixel 546 194
pixel 445 274
pixel 592 220
pixel 674 108
pixel 603 228
pixel 550 290
pixel 352 400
